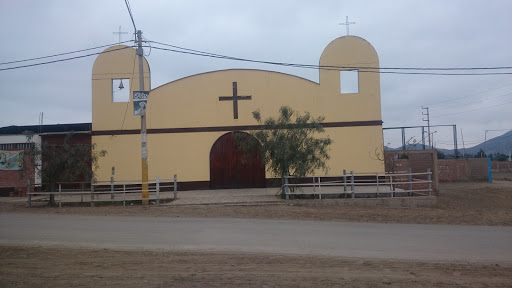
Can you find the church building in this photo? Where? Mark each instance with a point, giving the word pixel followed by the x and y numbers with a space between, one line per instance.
pixel 191 121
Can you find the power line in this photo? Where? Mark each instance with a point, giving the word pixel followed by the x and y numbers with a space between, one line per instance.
pixel 130 12
pixel 324 67
pixel 444 115
pixel 61 54
pixel 62 60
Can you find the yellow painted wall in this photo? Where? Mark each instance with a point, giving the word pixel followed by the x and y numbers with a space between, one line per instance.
pixel 194 102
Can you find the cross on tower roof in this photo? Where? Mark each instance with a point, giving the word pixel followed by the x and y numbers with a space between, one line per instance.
pixel 347 24
pixel 120 33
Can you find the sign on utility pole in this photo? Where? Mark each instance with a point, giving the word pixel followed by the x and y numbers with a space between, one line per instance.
pixel 143 135
pixel 140 101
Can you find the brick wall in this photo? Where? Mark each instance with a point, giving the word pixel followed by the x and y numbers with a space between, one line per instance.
pixel 419 161
pixel 501 165
pixel 462 169
pixel 14 182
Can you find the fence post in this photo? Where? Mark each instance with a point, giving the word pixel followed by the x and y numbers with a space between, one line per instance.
pixel 112 187
pixel 344 180
pixel 286 188
pixel 319 188
pixel 410 181
pixel 92 192
pixel 124 194
pixel 377 183
pixel 157 190
pixel 175 186
pixel 29 196
pixel 352 183
pixel 429 179
pixel 391 185
pixel 82 190
pixel 60 195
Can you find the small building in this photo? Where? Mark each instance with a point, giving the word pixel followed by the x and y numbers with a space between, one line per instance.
pixel 15 144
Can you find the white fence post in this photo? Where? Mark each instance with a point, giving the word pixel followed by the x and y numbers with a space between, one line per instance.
pixel 157 190
pixel 391 185
pixel 92 192
pixel 286 188
pixel 60 195
pixel 352 183
pixel 377 184
pixel 124 194
pixel 345 180
pixel 112 187
pixel 175 186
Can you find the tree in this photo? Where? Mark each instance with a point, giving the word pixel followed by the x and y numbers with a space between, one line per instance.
pixel 480 154
pixel 65 163
pixel 440 154
pixel 288 144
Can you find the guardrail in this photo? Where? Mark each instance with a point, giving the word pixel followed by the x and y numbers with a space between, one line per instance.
pixel 408 183
pixel 107 191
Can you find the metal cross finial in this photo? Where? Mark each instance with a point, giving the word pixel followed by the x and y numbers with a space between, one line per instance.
pixel 347 24
pixel 120 33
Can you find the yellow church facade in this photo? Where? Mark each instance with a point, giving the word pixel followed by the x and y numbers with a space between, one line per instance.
pixel 188 116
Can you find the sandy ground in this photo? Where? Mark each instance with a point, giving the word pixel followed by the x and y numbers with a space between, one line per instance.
pixel 471 203
pixel 50 267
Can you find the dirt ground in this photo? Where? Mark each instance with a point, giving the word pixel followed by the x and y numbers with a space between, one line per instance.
pixel 473 203
pixel 466 203
pixel 54 267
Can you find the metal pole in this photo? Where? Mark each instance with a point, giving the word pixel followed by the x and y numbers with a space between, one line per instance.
pixel 143 132
pixel 489 168
pixel 352 183
pixel 455 141
pixel 112 187
pixel 286 188
pixel 428 124
pixel 345 180
pixel 60 195
pixel 175 186
pixel 403 139
pixel 92 192
pixel 29 195
pixel 423 137
pixel 157 190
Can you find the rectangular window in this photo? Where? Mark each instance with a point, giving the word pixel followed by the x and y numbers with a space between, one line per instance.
pixel 120 90
pixel 349 81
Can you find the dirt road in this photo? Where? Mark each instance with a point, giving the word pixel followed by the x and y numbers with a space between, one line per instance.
pixel 342 239
pixel 62 268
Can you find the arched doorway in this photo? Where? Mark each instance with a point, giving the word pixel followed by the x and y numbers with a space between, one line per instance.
pixel 234 167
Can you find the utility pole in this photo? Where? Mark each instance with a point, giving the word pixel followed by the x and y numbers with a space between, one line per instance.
pixel 143 131
pixel 428 124
pixel 463 145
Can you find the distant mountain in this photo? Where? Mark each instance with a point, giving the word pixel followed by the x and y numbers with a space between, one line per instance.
pixel 501 144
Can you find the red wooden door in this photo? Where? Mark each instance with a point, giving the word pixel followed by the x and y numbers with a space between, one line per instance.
pixel 235 167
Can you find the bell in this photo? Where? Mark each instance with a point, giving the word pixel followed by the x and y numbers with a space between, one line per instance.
pixel 121 86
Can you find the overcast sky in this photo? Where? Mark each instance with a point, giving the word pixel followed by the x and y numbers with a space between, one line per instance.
pixel 404 33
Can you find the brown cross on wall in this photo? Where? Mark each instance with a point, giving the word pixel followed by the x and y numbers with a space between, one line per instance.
pixel 235 99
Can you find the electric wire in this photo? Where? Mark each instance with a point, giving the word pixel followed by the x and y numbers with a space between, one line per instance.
pixel 62 54
pixel 337 68
pixel 64 59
